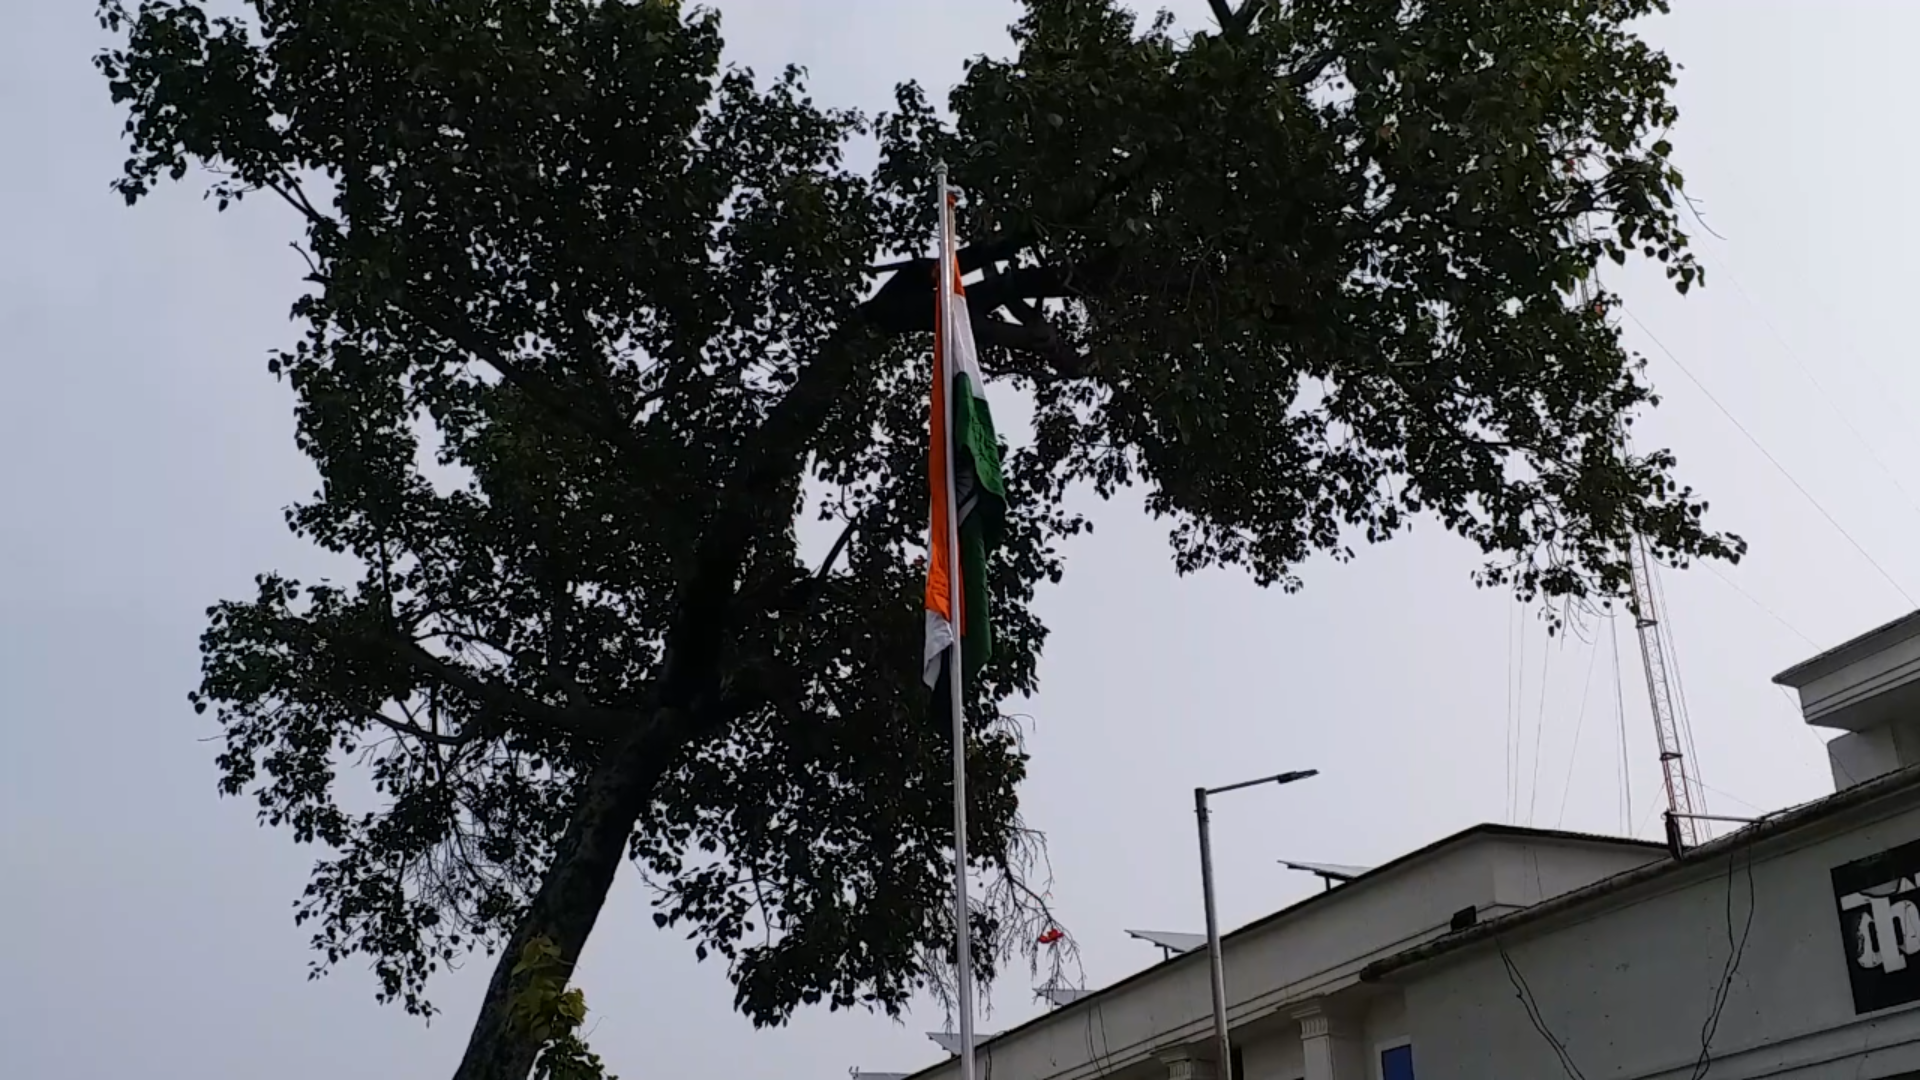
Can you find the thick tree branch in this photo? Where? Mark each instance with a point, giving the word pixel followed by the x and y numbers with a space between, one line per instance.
pixel 1027 284
pixel 1249 11
pixel 1037 338
pixel 904 304
pixel 999 247
pixel 1235 23
pixel 1308 73
pixel 595 724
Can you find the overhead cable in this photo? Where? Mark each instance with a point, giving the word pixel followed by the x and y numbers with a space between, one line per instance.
pixel 1774 461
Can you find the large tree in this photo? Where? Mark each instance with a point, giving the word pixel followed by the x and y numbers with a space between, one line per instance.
pixel 596 322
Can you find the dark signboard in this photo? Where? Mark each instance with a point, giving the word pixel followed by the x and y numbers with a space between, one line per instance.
pixel 1879 900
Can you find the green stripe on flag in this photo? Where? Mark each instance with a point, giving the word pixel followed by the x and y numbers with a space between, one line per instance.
pixel 981 491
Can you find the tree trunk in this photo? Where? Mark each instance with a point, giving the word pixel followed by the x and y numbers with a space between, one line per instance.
pixel 575 887
pixel 570 897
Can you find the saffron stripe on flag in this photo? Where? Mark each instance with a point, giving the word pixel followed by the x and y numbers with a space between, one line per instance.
pixel 972 451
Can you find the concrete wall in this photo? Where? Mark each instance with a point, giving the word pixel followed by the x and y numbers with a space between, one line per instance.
pixel 1386 1024
pixel 1627 988
pixel 1273 1054
pixel 1527 873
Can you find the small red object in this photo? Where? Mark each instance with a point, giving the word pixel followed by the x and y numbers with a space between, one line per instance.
pixel 1052 935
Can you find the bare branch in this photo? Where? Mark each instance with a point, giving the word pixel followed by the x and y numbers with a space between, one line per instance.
pixel 313 271
pixel 414 731
pixel 291 193
pixel 833 553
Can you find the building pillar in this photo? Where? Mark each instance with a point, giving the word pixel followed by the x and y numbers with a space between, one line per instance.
pixel 1189 1063
pixel 1330 1045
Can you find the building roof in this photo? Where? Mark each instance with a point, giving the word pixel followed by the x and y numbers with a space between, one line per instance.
pixel 1767 828
pixel 1847 652
pixel 1329 896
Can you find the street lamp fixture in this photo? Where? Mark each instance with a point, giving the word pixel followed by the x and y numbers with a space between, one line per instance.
pixel 1223 1050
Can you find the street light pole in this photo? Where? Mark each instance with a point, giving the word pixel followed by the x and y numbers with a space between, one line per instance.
pixel 1222 1046
pixel 1223 1052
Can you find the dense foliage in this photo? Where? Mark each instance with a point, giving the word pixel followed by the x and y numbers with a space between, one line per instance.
pixel 592 314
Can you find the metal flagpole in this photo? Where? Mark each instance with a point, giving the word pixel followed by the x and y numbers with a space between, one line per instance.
pixel 962 928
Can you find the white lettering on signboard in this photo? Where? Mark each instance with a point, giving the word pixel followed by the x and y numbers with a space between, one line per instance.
pixel 1889 930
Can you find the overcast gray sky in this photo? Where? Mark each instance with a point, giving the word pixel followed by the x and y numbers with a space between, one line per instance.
pixel 145 456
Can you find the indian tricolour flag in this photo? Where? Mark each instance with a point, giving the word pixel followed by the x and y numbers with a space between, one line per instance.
pixel 964 469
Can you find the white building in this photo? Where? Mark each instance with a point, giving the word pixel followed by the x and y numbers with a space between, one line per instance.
pixel 1500 953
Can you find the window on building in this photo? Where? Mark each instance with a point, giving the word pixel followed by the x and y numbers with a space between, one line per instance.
pixel 1396 1063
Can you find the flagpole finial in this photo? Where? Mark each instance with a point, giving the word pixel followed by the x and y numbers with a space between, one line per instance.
pixel 940 170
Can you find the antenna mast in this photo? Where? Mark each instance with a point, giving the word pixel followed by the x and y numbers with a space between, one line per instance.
pixel 1681 783
pixel 1670 726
